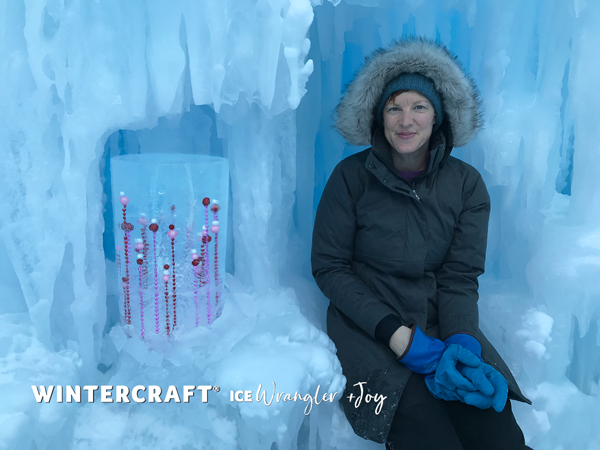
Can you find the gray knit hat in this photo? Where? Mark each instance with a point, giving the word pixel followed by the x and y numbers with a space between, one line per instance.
pixel 412 82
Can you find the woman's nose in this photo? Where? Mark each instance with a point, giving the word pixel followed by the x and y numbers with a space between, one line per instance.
pixel 405 118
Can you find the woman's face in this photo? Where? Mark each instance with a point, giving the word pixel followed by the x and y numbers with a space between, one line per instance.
pixel 408 120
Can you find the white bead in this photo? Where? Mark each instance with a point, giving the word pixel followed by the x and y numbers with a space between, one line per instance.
pixel 215 222
pixel 193 251
pixel 140 256
pixel 153 221
pixel 139 240
pixel 204 227
pixel 216 201
pixel 122 193
pixel 165 272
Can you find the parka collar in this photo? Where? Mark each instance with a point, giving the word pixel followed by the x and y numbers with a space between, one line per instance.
pixel 382 150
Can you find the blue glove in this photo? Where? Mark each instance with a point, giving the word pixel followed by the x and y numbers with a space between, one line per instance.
pixel 496 387
pixel 476 377
pixel 441 392
pixel 448 383
pixel 492 388
pixel 467 341
pixel 423 354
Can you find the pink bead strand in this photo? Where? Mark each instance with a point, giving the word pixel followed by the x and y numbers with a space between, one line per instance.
pixel 215 229
pixel 165 279
pixel 126 227
pixel 206 261
pixel 127 262
pixel 208 314
pixel 143 222
pixel 143 330
pixel 172 233
pixel 202 257
pixel 196 290
pixel 154 228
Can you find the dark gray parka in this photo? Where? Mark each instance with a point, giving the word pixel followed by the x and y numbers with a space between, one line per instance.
pixel 382 246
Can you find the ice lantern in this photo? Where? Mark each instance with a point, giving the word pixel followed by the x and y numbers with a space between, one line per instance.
pixel 170 225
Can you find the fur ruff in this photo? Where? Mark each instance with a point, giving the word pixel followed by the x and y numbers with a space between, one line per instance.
pixel 355 115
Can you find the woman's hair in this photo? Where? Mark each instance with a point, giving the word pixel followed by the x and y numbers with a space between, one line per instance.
pixel 394 94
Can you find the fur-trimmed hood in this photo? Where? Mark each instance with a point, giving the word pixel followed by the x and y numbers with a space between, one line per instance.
pixel 355 115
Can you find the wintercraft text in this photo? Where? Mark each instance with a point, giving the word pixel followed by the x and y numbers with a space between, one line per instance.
pixel 122 394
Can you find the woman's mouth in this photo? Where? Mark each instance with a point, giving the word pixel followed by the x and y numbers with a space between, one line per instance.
pixel 405 135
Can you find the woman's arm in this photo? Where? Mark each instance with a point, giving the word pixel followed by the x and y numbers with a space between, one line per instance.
pixel 465 260
pixel 332 254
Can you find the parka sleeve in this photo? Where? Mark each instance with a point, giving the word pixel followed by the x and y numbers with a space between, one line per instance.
pixel 332 254
pixel 457 284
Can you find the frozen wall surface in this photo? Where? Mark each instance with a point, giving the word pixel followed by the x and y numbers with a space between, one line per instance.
pixel 255 82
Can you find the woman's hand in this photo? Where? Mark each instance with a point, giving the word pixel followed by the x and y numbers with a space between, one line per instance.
pixel 400 340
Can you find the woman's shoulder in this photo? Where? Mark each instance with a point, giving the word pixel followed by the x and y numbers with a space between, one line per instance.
pixel 459 171
pixel 354 161
pixel 463 169
pixel 349 175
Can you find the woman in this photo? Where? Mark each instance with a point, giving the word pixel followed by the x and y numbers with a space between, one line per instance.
pixel 399 240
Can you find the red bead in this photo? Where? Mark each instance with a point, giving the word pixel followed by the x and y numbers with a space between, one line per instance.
pixel 166 266
pixel 140 261
pixel 195 262
pixel 206 201
pixel 215 207
pixel 153 227
pixel 206 239
pixel 171 227
pixel 126 226
pixel 125 279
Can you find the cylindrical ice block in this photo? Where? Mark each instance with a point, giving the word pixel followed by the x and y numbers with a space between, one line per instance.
pixel 170 224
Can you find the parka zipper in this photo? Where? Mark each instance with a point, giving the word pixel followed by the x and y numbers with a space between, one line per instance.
pixel 415 192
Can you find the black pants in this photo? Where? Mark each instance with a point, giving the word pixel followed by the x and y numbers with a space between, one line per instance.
pixel 423 422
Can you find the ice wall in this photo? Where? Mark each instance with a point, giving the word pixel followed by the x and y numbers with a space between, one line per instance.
pixel 85 80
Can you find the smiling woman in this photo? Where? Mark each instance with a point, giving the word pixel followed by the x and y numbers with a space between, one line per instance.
pixel 408 120
pixel 399 241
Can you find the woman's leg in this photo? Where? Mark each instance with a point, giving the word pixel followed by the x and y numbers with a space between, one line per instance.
pixel 421 421
pixel 485 429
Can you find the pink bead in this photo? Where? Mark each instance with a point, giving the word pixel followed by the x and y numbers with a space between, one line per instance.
pixel 124 284
pixel 195 256
pixel 198 269
pixel 214 228
pixel 139 246
pixel 204 233
pixel 172 233
pixel 165 278
pixel 142 220
pixel 118 248
pixel 124 200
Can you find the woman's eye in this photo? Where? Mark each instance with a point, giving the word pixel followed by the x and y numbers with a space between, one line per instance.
pixel 420 106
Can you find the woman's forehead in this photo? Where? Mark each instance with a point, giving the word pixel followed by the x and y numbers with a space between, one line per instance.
pixel 407 96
